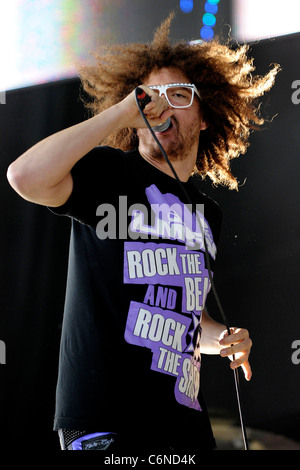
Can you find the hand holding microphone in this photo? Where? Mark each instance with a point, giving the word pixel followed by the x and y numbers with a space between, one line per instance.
pixel 143 99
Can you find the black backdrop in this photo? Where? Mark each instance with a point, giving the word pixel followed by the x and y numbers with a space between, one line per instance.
pixel 257 275
pixel 34 250
pixel 258 266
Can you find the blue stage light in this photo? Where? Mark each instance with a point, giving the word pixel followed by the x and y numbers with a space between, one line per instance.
pixel 186 5
pixel 207 33
pixel 209 8
pixel 209 20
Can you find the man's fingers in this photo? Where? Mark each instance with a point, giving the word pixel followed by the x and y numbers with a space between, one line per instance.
pixel 237 347
pixel 246 369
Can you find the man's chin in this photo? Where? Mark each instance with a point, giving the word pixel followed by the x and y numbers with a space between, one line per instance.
pixel 175 149
pixel 174 153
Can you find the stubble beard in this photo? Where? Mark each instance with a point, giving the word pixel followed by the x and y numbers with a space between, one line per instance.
pixel 175 150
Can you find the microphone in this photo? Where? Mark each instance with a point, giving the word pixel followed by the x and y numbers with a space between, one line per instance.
pixel 162 127
pixel 144 99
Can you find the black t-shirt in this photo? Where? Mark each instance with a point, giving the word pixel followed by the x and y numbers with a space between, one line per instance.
pixel 137 283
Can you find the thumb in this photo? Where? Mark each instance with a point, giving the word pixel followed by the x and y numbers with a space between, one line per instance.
pixel 247 370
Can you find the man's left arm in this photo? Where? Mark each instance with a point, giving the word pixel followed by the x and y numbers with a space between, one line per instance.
pixel 216 340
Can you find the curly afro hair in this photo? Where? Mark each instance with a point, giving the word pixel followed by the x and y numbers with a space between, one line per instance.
pixel 223 75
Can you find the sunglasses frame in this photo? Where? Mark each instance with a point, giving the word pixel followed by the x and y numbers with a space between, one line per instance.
pixel 162 89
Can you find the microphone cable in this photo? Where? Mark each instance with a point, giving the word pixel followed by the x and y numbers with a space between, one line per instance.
pixel 142 99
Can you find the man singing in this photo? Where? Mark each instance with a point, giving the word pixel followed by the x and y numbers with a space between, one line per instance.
pixel 135 323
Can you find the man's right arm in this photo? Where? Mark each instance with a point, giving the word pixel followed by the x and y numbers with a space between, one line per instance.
pixel 43 173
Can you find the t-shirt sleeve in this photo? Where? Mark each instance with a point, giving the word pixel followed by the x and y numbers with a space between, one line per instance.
pixel 95 178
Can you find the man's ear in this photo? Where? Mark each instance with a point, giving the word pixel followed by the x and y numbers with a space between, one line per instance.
pixel 203 125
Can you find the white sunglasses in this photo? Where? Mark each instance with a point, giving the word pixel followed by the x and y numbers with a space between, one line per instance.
pixel 178 95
